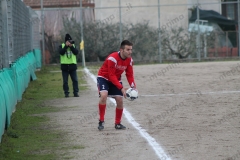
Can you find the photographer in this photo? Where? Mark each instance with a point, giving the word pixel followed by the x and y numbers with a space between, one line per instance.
pixel 68 59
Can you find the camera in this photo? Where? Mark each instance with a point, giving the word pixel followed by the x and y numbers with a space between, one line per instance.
pixel 71 41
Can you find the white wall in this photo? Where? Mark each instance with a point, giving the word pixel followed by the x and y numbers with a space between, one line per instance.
pixel 204 4
pixel 171 15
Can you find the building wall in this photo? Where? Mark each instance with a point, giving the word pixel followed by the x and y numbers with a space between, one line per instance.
pixel 172 14
pixel 204 4
pixel 36 4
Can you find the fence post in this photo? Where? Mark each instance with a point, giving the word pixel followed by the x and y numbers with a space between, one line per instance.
pixel 1 39
pixel 198 35
pixel 6 8
pixel 82 41
pixel 227 42
pixel 43 37
pixel 120 21
pixel 239 28
pixel 159 33
pixel 31 28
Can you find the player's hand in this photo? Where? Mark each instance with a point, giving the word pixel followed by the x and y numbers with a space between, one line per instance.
pixel 135 89
pixel 124 92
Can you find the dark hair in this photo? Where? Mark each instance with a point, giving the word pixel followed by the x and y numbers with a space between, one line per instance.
pixel 125 42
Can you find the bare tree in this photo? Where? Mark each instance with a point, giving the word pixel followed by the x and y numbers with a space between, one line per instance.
pixel 145 39
pixel 178 41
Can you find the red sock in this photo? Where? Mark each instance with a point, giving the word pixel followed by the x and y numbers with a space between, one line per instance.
pixel 102 108
pixel 118 115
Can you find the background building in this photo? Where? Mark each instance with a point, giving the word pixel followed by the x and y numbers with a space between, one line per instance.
pixel 173 13
pixel 139 20
pixel 36 4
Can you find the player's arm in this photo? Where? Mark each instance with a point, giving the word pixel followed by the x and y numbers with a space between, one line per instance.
pixel 130 75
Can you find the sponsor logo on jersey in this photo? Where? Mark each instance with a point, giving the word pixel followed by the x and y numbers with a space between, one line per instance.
pixel 121 67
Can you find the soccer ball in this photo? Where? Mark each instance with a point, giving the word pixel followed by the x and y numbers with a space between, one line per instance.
pixel 132 94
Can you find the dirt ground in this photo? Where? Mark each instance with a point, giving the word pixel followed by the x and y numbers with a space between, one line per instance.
pixel 191 109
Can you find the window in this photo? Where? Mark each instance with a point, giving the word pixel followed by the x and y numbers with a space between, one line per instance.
pixel 230 11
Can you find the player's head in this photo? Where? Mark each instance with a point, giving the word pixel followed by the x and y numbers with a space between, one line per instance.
pixel 125 43
pixel 126 49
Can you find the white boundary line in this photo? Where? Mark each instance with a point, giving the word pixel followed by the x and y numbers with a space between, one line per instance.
pixel 153 143
pixel 184 94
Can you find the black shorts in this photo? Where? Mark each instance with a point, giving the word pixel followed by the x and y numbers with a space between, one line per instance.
pixel 105 85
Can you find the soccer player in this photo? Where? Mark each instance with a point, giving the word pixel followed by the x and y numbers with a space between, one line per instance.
pixel 109 81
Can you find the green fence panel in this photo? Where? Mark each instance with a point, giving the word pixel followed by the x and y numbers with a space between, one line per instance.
pixel 32 65
pixel 9 93
pixel 25 71
pixel 38 56
pixel 22 77
pixel 8 75
pixel 2 111
pixel 13 75
pixel 13 82
pixel 7 96
pixel 19 80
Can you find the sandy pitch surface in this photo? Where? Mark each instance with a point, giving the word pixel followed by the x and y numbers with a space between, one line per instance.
pixel 191 110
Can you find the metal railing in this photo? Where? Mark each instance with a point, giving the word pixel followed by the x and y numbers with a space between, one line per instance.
pixel 19 31
pixel 123 20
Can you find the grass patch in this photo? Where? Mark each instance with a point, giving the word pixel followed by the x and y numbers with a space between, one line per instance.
pixel 31 136
pixel 94 69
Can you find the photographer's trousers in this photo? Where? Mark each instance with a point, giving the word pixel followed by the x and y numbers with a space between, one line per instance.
pixel 73 75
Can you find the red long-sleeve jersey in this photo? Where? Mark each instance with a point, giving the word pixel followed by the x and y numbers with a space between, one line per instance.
pixel 114 66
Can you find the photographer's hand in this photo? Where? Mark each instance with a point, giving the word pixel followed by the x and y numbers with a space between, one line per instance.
pixel 68 44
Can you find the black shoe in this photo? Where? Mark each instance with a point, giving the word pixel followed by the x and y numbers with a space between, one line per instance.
pixel 76 95
pixel 120 126
pixel 101 125
pixel 66 95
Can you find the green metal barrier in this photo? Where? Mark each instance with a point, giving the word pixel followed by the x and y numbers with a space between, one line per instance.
pixel 13 82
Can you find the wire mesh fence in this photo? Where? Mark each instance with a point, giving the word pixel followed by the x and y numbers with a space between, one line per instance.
pixel 160 30
pixel 1 36
pixel 19 31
